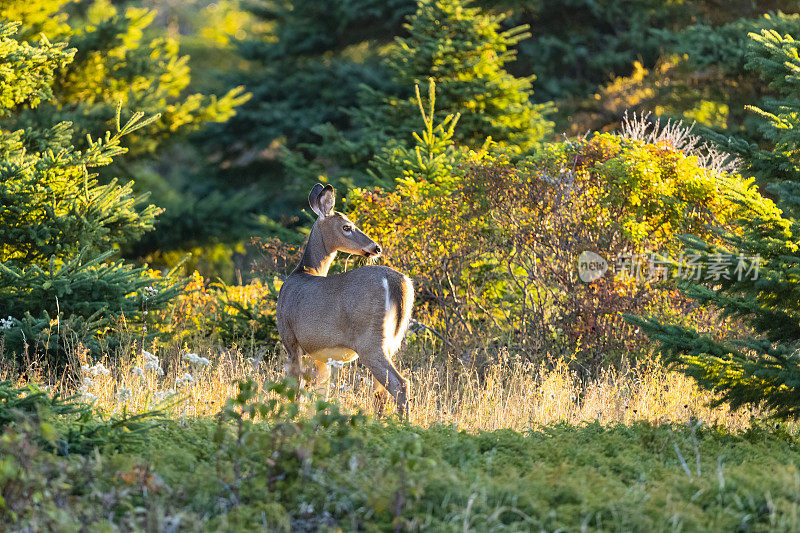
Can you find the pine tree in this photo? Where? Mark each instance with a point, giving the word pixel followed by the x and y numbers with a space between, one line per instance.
pixel 60 227
pixel 764 367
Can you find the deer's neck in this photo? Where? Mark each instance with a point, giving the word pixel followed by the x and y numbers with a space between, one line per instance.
pixel 316 258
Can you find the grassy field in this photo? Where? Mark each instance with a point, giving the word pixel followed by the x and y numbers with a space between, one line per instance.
pixel 510 394
pixel 518 448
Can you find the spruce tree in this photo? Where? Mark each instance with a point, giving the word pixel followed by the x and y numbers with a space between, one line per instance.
pixel 59 227
pixel 461 49
pixel 464 50
pixel 763 367
pixel 118 59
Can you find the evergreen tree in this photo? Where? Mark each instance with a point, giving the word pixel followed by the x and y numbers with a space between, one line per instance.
pixel 117 61
pixel 464 50
pixel 305 69
pixel 765 367
pixel 60 227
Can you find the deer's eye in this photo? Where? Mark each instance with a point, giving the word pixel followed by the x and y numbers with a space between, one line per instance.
pixel 347 229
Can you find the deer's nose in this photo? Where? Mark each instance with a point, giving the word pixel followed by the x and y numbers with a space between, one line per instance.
pixel 378 249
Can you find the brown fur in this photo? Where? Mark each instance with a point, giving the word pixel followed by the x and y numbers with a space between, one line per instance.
pixel 318 313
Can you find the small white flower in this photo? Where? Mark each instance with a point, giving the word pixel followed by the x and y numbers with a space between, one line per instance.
pixel 86 384
pixel 306 508
pixel 185 380
pixel 124 394
pixel 99 370
pixel 151 363
pixel 148 293
pixel 154 367
pixel 334 363
pixel 344 387
pixel 6 323
pixel 195 359
pixel 164 394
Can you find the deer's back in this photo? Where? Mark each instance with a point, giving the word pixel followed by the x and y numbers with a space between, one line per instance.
pixel 343 309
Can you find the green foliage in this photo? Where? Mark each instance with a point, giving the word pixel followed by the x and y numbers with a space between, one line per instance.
pixel 242 315
pixel 304 67
pixel 301 43
pixel 116 61
pixel 432 159
pixel 763 367
pixel 367 102
pixel 774 56
pixel 579 45
pixel 464 50
pixel 260 466
pixel 41 17
pixel 68 426
pixel 701 74
pixel 46 446
pixel 290 442
pixel 493 245
pixel 59 226
pixel 28 70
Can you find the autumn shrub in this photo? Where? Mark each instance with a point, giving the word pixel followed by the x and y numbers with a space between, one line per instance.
pixel 222 314
pixel 493 243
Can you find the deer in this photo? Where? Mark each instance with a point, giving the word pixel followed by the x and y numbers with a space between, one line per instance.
pixel 361 313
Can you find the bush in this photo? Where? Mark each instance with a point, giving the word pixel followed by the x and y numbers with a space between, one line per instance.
pixel 493 243
pixel 221 313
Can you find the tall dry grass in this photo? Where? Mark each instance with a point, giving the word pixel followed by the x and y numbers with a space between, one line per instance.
pixel 509 394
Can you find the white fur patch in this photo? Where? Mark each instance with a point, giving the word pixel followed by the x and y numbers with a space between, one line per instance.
pixel 387 303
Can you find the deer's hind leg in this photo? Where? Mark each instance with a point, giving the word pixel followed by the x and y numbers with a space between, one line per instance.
pixel 385 373
pixel 380 397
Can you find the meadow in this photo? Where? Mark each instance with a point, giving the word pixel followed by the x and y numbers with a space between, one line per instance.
pixel 225 445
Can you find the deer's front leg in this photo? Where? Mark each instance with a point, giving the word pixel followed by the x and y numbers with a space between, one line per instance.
pixel 323 373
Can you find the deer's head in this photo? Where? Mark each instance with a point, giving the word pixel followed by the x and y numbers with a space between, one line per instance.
pixel 337 231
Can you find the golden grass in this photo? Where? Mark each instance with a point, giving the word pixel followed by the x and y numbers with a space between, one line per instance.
pixel 515 395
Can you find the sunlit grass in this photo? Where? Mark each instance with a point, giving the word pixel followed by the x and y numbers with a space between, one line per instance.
pixel 512 394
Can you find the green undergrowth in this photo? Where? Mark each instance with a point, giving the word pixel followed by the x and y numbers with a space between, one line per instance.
pixel 268 462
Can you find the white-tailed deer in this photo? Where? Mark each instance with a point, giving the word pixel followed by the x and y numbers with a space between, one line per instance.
pixel 360 313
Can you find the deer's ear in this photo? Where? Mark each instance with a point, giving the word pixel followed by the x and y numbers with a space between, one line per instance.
pixel 325 201
pixel 313 199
